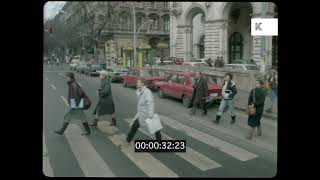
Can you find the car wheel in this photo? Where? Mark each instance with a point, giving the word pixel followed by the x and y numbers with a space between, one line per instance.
pixel 186 101
pixel 125 83
pixel 161 93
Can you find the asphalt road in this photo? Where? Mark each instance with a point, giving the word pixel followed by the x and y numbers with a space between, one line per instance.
pixel 212 150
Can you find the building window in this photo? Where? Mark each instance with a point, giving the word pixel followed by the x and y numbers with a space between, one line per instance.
pixel 124 22
pixel 153 5
pixel 166 5
pixel 201 47
pixel 236 46
pixel 166 21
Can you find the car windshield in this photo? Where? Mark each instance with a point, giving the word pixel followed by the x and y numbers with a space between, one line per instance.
pixel 120 69
pixel 200 64
pixel 149 72
pixel 95 66
pixel 255 68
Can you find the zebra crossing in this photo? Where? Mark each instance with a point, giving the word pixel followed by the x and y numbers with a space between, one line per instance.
pixel 93 165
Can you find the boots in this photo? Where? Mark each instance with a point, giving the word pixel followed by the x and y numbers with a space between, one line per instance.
pixel 233 119
pixel 113 122
pixel 217 119
pixel 250 135
pixel 64 127
pixel 95 123
pixel 87 129
pixel 259 131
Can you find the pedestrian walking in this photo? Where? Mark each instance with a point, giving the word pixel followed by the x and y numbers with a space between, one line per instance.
pixel 145 110
pixel 78 101
pixel 256 99
pixel 200 92
pixel 229 90
pixel 105 105
pixel 273 91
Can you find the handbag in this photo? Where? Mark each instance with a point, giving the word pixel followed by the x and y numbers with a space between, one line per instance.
pixel 251 110
pixel 154 124
pixel 86 101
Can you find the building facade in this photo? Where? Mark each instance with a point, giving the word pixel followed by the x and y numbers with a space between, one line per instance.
pixel 115 42
pixel 221 29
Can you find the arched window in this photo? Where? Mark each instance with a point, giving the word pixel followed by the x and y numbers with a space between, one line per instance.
pixel 201 47
pixel 236 46
pixel 155 24
pixel 166 5
pixel 124 22
pixel 166 23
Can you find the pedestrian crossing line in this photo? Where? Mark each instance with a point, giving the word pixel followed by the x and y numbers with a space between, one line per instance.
pixel 151 166
pixel 65 101
pixel 192 156
pixel 240 135
pixel 46 166
pixel 90 162
pixel 53 87
pixel 212 141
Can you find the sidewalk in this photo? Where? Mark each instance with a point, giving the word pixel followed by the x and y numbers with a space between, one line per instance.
pixel 241 103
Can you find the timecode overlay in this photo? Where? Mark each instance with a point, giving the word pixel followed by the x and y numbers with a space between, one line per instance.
pixel 160 146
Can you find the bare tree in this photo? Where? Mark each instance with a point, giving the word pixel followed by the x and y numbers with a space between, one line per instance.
pixel 94 27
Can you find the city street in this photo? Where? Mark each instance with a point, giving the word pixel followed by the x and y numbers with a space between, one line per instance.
pixel 212 150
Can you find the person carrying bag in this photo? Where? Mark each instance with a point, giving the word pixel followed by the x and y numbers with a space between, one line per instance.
pixel 145 116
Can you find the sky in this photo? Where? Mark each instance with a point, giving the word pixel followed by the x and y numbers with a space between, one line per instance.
pixel 51 8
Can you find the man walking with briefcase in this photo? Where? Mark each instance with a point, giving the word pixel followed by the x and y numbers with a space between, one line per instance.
pixel 145 110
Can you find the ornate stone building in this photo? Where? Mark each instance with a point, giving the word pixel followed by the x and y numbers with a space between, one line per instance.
pixel 212 29
pixel 116 39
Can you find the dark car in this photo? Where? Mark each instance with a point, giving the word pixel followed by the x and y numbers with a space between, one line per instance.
pixel 116 73
pixel 180 86
pixel 82 66
pixel 93 69
pixel 148 74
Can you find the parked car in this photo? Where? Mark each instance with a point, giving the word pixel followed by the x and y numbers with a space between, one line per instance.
pixel 73 64
pixel 180 86
pixel 93 69
pixel 149 75
pixel 81 67
pixel 245 67
pixel 195 64
pixel 116 73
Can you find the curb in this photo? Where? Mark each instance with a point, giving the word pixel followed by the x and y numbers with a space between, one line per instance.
pixel 270 116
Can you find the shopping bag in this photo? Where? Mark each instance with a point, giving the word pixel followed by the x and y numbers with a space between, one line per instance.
pixel 154 124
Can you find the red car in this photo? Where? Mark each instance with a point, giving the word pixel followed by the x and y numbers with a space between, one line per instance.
pixel 148 74
pixel 179 85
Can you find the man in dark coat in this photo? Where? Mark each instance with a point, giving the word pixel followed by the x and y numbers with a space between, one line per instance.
pixel 258 102
pixel 200 91
pixel 105 105
pixel 75 96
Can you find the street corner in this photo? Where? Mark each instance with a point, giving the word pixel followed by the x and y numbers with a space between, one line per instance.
pixel 105 127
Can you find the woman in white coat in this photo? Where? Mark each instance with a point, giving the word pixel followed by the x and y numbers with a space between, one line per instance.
pixel 145 109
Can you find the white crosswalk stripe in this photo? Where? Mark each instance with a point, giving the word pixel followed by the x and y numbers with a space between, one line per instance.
pixel 95 166
pixel 53 87
pixel 212 141
pixel 192 156
pixel 151 166
pixel 89 160
pixel 46 166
